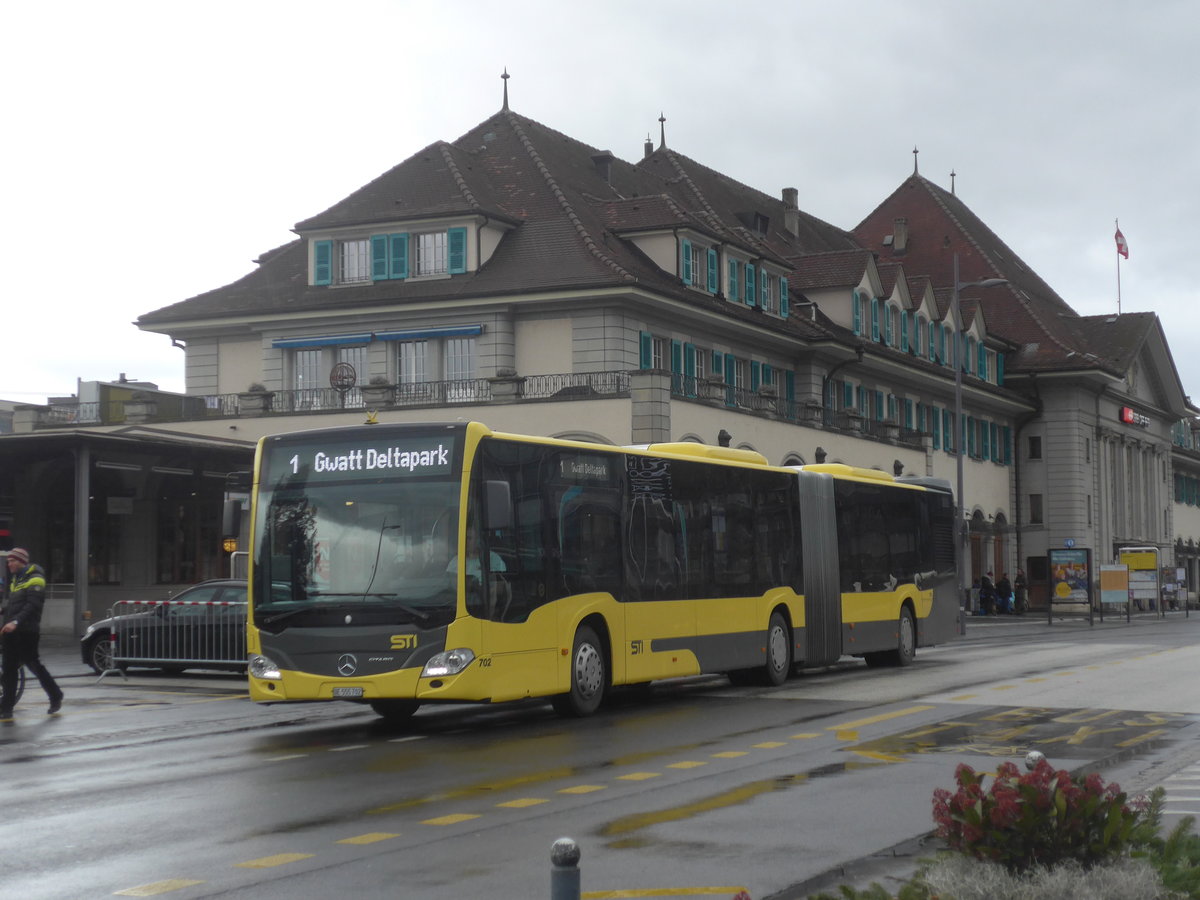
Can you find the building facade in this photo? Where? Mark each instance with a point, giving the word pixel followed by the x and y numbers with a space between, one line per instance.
pixel 522 278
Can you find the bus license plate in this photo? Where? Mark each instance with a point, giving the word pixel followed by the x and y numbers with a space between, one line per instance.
pixel 347 692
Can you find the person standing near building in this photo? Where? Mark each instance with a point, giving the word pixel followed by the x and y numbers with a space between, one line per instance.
pixel 1020 587
pixel 21 632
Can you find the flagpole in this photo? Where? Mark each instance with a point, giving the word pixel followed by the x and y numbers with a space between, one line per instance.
pixel 1118 224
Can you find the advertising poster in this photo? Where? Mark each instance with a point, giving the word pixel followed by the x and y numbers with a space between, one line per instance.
pixel 1070 576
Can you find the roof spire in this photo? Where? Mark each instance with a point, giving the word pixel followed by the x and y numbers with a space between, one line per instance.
pixel 505 77
pixel 662 131
pixel 951 182
pixel 915 152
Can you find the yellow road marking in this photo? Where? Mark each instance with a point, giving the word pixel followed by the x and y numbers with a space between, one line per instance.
pixel 729 754
pixel 846 735
pixel 881 757
pixel 965 697
pixel 157 887
pixel 452 819
pixel 373 837
pixel 882 717
pixel 804 736
pixel 1142 737
pixel 523 802
pixel 769 745
pixel 662 892
pixel 1004 687
pixel 637 776
pixel 269 862
pixel 686 764
pixel 582 789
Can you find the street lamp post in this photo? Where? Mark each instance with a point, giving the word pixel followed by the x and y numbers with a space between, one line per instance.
pixel 960 432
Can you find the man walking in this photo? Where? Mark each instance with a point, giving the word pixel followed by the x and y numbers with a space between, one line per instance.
pixel 22 630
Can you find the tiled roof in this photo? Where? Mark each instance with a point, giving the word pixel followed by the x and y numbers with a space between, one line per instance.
pixel 839 268
pixel 565 217
pixel 1026 312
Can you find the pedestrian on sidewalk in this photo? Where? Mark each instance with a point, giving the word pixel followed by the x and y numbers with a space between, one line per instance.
pixel 21 632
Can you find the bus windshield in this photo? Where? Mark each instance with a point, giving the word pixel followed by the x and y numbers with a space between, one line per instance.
pixel 340 544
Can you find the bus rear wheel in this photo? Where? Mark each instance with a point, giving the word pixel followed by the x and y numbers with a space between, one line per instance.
pixel 395 712
pixel 589 677
pixel 906 644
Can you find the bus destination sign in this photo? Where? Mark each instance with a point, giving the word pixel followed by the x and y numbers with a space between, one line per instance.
pixel 414 456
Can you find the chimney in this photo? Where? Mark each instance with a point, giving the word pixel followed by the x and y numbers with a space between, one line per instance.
pixel 791 213
pixel 603 162
pixel 900 236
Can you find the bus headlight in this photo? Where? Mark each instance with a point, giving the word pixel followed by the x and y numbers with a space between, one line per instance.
pixel 448 662
pixel 262 667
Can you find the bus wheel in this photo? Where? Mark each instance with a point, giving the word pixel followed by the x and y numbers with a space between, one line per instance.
pixel 588 677
pixel 906 643
pixel 779 651
pixel 395 711
pixel 778 665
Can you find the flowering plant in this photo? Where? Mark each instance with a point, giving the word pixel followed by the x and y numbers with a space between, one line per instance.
pixel 1037 819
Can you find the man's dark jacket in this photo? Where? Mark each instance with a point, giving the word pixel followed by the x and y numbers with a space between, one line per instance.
pixel 26 597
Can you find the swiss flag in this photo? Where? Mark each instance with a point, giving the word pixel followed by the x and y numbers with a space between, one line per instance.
pixel 1122 247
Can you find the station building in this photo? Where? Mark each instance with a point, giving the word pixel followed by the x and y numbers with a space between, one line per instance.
pixel 522 278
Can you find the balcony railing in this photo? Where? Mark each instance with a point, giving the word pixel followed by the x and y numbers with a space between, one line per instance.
pixel 435 394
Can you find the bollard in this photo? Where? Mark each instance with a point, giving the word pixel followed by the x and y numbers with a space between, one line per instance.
pixel 564 876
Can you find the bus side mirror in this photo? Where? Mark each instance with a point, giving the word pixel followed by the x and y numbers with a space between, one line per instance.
pixel 231 519
pixel 497 505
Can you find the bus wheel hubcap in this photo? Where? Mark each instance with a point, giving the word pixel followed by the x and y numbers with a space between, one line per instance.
pixel 588 670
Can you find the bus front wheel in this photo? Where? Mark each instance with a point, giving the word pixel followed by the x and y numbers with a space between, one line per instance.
pixel 588 677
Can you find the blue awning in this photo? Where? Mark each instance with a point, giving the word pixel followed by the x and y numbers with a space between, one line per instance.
pixel 328 341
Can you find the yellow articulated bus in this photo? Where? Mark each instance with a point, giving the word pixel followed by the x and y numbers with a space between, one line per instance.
pixel 410 564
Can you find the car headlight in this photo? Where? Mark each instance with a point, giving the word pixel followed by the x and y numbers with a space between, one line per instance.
pixel 448 662
pixel 262 667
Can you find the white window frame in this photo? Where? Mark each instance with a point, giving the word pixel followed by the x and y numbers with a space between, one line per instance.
pixel 353 261
pixel 431 253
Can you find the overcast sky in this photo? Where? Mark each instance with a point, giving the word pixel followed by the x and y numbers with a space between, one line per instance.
pixel 155 149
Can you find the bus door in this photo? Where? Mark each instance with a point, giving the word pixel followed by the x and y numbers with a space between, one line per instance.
pixel 822 579
pixel 660 623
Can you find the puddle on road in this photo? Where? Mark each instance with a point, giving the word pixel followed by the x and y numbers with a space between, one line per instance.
pixel 997 732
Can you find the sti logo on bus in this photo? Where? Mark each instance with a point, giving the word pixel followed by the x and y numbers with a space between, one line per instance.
pixel 416 457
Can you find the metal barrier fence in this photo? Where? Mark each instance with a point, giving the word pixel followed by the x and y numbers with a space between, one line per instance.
pixel 178 634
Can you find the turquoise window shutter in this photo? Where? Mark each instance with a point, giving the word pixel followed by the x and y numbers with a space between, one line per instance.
pixel 784 302
pixel 908 414
pixel 733 279
pixel 932 342
pixel 1006 437
pixel 687 261
pixel 456 250
pixel 730 369
pixel 935 426
pixel 322 262
pixel 982 367
pixel 875 319
pixel 716 364
pixel 751 286
pixel 904 330
pixel 379 257
pixel 856 313
pixel 689 360
pixel 399 258
pixel 647 357
pixel 677 367
pixel 764 292
pixel 889 336
pixel 847 395
pixel 1000 368
pixel 789 385
pixel 862 400
pixel 714 274
pixel 947 431
pixel 755 374
pixel 879 406
pixel 768 374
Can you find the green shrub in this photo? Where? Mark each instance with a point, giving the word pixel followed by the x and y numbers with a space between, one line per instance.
pixel 1041 818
